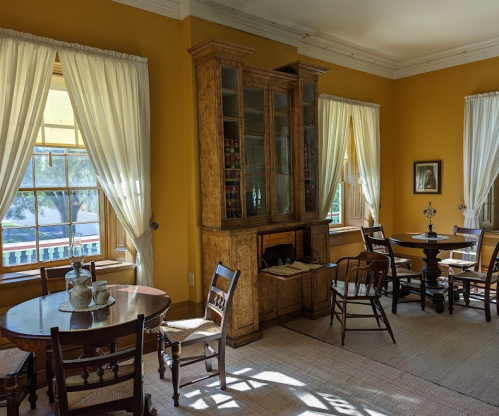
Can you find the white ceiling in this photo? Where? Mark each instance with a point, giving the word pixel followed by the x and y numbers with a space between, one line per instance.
pixel 390 38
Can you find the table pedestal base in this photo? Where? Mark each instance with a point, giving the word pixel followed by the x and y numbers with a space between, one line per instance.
pixel 435 290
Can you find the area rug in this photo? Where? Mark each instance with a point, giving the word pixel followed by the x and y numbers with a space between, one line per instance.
pixel 456 351
pixel 288 373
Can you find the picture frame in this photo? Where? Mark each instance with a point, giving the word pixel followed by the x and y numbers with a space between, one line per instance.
pixel 428 177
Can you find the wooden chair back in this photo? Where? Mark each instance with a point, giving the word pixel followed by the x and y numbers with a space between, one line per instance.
pixel 53 278
pixel 370 231
pixel 474 251
pixel 375 244
pixel 366 274
pixel 101 372
pixel 220 295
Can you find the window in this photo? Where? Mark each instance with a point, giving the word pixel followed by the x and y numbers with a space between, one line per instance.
pixel 59 195
pixel 349 206
pixel 335 213
pixel 489 214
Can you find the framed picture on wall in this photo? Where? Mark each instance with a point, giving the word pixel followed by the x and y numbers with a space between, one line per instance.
pixel 427 177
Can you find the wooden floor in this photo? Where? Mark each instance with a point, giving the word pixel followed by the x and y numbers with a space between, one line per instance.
pixel 459 351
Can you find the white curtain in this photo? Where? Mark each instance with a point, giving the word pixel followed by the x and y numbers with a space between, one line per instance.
pixel 480 152
pixel 365 118
pixel 25 73
pixel 110 95
pixel 334 132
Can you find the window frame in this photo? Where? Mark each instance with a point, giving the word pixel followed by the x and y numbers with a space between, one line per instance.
pixel 115 243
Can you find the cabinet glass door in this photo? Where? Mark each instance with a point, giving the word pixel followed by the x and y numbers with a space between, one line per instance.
pixel 232 166
pixel 309 147
pixel 254 152
pixel 282 152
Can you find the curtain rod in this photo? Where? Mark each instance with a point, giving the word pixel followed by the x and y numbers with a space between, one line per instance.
pixel 485 95
pixel 60 46
pixel 348 100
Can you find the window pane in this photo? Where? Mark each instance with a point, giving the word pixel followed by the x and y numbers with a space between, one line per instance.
pixel 60 136
pixel 54 242
pixel 80 171
pixel 27 181
pixel 19 246
pixel 21 211
pixel 53 207
pixel 58 109
pixel 90 237
pixel 84 206
pixel 50 176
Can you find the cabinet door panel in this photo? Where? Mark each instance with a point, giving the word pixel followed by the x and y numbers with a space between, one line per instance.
pixel 290 295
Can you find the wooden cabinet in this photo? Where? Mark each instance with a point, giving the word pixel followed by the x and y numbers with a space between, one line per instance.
pixel 258 138
pixel 257 143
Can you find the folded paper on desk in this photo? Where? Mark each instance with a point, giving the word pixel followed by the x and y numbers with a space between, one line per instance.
pixel 290 269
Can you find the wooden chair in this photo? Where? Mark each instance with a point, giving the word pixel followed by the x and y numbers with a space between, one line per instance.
pixel 401 277
pixel 463 264
pixel 107 382
pixel 477 286
pixel 52 280
pixel 13 363
pixel 212 327
pixel 370 231
pixel 365 275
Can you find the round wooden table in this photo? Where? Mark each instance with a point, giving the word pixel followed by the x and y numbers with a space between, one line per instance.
pixel 28 324
pixel 435 290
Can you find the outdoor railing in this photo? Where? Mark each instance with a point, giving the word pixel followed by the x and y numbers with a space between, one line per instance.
pixel 13 255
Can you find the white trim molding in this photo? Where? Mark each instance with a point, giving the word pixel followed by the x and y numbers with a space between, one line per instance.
pixel 241 15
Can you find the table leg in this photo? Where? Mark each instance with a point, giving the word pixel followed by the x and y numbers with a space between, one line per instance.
pixel 435 290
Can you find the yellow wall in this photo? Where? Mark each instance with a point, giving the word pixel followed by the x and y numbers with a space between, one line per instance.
pixel 429 126
pixel 109 25
pixel 421 118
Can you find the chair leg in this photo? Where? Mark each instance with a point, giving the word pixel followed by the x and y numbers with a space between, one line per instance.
pixel 486 300
pixel 221 364
pixel 395 294
pixel 161 348
pixel 175 367
pixel 333 307
pixel 49 371
pixel 343 322
pixel 450 294
pixel 466 292
pixel 208 363
pixel 385 319
pixel 373 306
pixel 32 377
pixel 11 389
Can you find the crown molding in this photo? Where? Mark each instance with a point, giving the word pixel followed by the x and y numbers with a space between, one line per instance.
pixel 471 52
pixel 241 15
pixel 169 8
pixel 250 19
pixel 326 49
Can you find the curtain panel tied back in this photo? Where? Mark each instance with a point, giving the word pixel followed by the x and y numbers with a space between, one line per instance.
pixel 480 152
pixel 109 92
pixel 334 132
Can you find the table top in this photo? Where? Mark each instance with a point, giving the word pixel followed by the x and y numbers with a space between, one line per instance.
pixel 453 242
pixel 28 324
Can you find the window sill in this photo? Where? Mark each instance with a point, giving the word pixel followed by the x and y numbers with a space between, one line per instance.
pixel 102 268
pixel 344 235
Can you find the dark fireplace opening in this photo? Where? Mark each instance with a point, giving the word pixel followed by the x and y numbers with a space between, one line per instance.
pixel 278 255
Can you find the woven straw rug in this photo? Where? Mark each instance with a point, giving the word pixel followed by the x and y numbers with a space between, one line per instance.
pixel 456 351
pixel 287 373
